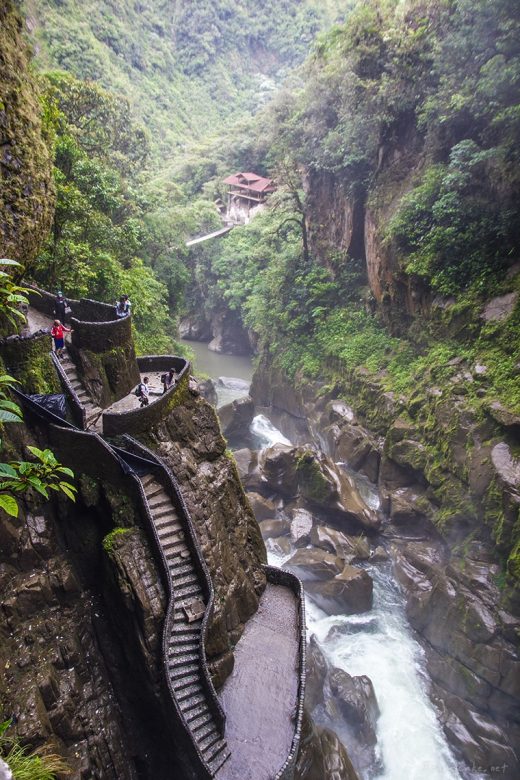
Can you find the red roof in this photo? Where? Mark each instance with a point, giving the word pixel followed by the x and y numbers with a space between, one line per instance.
pixel 250 181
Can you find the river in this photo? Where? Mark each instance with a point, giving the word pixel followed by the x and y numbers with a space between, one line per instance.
pixel 380 644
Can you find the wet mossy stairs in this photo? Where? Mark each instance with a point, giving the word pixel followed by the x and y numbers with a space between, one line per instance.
pixel 182 640
pixel 93 412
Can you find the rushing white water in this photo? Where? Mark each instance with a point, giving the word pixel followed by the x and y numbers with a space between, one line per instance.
pixel 380 644
pixel 265 434
pixel 230 388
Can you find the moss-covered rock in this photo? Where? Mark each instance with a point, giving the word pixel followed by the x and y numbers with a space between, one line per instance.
pixel 27 190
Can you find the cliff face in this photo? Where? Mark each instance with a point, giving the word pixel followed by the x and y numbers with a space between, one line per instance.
pixel 190 442
pixel 27 191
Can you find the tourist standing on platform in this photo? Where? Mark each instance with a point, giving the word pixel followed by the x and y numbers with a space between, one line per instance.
pixel 168 379
pixel 144 392
pixel 60 307
pixel 58 334
pixel 123 307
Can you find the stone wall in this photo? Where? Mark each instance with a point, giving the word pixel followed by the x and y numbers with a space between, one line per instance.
pixel 28 358
pixel 100 335
pixel 144 418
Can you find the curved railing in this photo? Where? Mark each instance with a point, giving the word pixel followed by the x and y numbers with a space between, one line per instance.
pixel 172 485
pixel 44 301
pixel 287 579
pixel 103 330
pixel 95 324
pixel 143 418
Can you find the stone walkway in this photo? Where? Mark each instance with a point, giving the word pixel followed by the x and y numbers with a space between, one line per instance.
pixel 260 698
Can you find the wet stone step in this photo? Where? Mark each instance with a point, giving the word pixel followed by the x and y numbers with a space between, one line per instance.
pixel 183 660
pixel 173 544
pixel 189 704
pixel 178 673
pixel 189 691
pixel 218 758
pixel 162 512
pixel 168 524
pixel 178 638
pixel 207 732
pixel 180 566
pixel 159 499
pixel 182 649
pixel 199 716
pixel 187 681
pixel 187 591
pixel 153 489
pixel 207 742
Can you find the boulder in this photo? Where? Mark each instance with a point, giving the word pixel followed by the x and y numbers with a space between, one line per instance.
pixel 317 671
pixel 379 555
pixel 301 527
pixel 315 564
pixel 317 479
pixel 278 467
pixel 348 547
pixel 208 391
pixel 349 592
pixel 357 702
pixel 505 417
pixel 500 308
pixel 351 443
pixel 263 508
pixel 5 772
pixel 194 328
pixel 272 529
pixel 321 755
pixel 281 546
pixel 245 460
pixel 235 418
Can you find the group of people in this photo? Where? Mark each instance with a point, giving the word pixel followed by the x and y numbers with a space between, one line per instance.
pixel 62 309
pixel 142 390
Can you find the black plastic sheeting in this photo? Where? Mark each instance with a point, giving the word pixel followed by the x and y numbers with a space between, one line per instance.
pixel 32 405
pixel 56 404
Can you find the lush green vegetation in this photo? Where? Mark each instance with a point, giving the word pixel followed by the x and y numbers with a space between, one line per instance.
pixel 183 66
pixel 435 87
pixel 29 765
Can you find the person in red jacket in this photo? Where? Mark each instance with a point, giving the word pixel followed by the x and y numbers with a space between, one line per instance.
pixel 57 334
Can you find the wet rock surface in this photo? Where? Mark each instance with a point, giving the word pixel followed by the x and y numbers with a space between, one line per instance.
pixel 235 419
pixel 299 471
pixel 322 755
pixel 334 697
pixel 71 676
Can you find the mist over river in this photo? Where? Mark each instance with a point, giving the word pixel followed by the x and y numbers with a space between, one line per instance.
pixel 379 644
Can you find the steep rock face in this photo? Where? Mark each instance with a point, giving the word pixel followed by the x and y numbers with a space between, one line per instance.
pixel 229 335
pixel 190 442
pixel 27 192
pixel 80 647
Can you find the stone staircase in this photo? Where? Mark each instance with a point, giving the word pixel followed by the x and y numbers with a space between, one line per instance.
pixel 93 412
pixel 183 631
